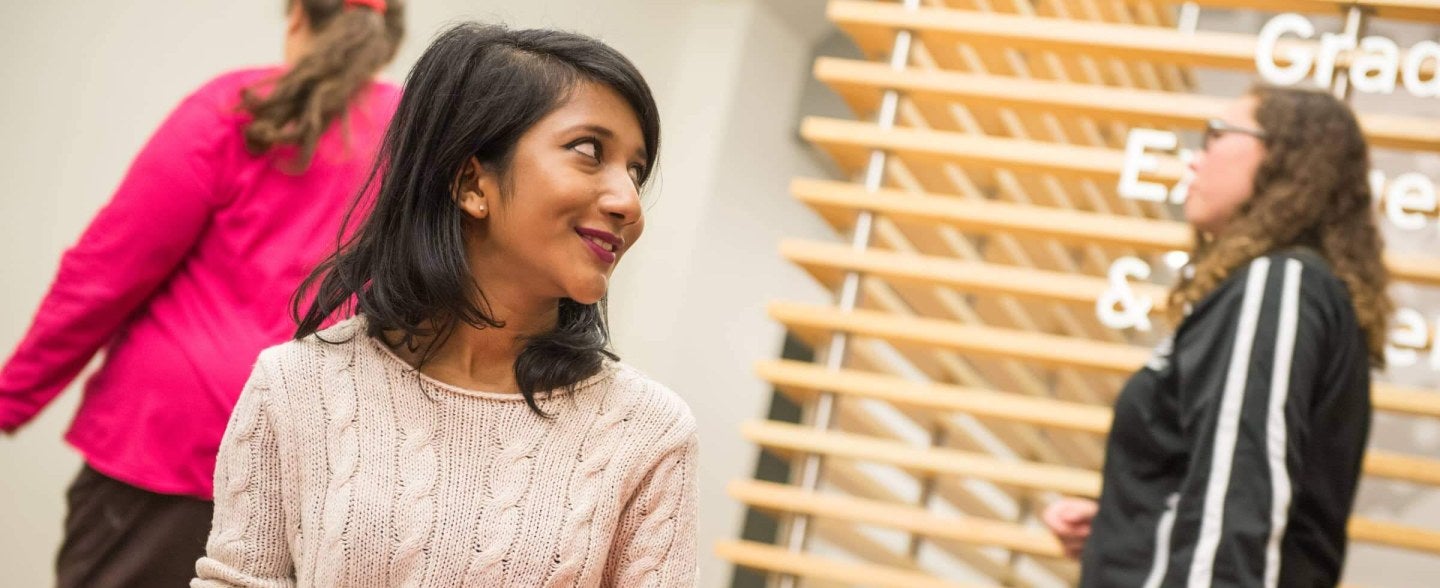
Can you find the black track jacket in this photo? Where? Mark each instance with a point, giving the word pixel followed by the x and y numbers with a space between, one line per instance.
pixel 1234 454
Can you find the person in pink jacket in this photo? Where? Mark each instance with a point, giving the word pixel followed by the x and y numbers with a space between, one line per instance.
pixel 187 274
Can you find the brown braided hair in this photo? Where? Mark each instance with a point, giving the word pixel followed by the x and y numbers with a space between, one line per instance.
pixel 350 44
pixel 1310 190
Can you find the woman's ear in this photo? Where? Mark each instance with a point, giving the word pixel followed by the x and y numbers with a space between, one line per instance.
pixel 297 21
pixel 470 189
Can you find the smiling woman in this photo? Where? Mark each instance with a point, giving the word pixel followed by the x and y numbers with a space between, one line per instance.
pixel 468 425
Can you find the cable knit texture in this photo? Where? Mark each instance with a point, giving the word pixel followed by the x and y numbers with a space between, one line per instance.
pixel 344 467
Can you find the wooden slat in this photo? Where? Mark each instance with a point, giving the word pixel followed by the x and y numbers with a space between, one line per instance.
pixel 847 139
pixel 935 396
pixel 792 438
pixel 871 22
pixel 840 201
pixel 1062 414
pixel 1413 10
pixel 855 418
pixel 798 438
pixel 775 559
pixel 874 24
pixel 1047 349
pixel 943 365
pixel 845 537
pixel 849 479
pixel 912 519
pixel 1401 399
pixel 1394 535
pixel 1134 106
pixel 1041 348
pixel 787 437
pixel 830 262
pixel 844 477
pixel 1413 269
pixel 1395 466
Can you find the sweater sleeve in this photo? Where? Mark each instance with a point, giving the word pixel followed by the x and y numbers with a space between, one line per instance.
pixel 1248 385
pixel 655 544
pixel 133 244
pixel 248 545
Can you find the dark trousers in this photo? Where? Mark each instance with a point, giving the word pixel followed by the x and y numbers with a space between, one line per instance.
pixel 119 536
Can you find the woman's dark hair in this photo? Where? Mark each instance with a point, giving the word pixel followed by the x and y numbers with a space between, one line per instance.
pixel 350 44
pixel 473 93
pixel 1312 189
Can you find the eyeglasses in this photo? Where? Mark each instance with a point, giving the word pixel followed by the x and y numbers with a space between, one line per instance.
pixel 1215 127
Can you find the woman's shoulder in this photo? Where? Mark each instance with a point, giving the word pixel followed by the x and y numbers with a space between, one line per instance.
pixel 1310 259
pixel 242 77
pixel 1311 273
pixel 650 399
pixel 1272 276
pixel 385 90
pixel 224 92
pixel 224 89
pixel 1273 269
pixel 295 357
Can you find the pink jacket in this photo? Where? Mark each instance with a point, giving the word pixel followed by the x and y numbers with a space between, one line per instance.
pixel 184 277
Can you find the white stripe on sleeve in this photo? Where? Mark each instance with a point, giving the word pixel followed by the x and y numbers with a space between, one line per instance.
pixel 1275 429
pixel 1163 527
pixel 1202 567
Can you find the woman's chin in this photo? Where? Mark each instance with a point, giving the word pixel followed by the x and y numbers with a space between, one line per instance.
pixel 590 293
pixel 1195 216
pixel 1203 223
pixel 587 300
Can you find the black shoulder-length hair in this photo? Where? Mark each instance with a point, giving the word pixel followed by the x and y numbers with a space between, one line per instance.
pixel 473 93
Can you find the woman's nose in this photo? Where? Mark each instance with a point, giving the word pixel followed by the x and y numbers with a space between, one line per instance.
pixel 1195 159
pixel 621 201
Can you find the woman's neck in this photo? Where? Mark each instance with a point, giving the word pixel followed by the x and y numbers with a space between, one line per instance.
pixel 484 358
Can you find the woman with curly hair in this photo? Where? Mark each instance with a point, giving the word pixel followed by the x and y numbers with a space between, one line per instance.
pixel 1235 452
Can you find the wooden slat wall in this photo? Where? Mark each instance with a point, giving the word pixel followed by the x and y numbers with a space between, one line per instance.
pixel 978 382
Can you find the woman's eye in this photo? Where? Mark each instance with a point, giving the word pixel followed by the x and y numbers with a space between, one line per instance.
pixel 588 148
pixel 636 172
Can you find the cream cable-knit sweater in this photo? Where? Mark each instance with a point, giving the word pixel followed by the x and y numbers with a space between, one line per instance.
pixel 342 466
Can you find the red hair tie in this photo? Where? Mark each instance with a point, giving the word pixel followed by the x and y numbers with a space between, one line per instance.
pixel 377 5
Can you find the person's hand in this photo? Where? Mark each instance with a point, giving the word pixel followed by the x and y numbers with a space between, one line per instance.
pixel 1069 519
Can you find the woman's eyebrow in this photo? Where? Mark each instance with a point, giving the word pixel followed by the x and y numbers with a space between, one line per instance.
pixel 603 132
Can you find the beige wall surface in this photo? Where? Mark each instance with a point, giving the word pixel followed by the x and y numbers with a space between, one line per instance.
pixel 85 84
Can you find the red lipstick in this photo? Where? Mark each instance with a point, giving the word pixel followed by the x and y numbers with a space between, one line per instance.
pixel 603 244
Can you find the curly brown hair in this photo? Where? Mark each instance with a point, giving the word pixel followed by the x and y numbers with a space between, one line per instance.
pixel 1311 190
pixel 350 45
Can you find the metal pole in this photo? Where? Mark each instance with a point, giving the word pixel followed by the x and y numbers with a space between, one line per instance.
pixel 938 438
pixel 1355 21
pixel 1189 18
pixel 823 415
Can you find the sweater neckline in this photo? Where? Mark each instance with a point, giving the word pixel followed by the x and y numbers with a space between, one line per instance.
pixel 388 356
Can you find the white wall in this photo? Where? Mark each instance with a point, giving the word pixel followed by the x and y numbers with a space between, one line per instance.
pixel 690 308
pixel 86 82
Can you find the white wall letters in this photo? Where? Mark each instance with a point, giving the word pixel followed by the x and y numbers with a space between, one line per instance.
pixel 1375 62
